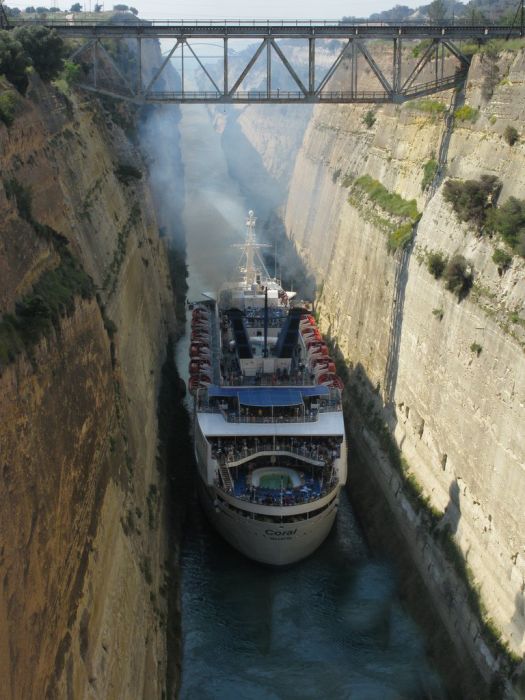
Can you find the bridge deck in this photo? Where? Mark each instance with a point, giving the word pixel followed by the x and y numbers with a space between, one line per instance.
pixel 283 29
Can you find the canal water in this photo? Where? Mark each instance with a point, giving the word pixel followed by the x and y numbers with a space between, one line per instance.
pixel 329 627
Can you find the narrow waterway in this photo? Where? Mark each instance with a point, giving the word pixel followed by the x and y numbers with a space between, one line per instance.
pixel 329 627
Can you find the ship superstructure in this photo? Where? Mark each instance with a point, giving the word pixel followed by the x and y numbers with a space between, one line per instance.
pixel 269 431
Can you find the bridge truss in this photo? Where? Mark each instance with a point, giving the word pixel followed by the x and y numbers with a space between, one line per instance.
pixel 286 63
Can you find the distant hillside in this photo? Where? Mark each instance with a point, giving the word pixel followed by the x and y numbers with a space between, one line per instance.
pixel 477 10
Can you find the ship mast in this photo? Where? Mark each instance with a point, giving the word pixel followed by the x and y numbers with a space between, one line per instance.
pixel 251 251
pixel 251 244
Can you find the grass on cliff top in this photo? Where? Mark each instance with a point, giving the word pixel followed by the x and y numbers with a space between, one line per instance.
pixel 390 202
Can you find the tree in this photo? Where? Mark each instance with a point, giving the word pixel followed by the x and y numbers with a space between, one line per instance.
pixel 134 10
pixel 77 7
pixel 437 11
pixel 45 49
pixel 14 61
pixel 98 8
pixel 30 10
pixel 120 8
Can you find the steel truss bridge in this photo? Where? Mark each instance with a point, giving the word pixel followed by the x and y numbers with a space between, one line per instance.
pixel 364 53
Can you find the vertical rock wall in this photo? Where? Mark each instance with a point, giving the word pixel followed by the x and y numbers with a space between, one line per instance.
pixel 82 546
pixel 456 413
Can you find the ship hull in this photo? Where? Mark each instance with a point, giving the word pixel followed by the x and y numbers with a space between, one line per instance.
pixel 273 544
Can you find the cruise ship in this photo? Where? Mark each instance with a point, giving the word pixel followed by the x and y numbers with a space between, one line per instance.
pixel 268 424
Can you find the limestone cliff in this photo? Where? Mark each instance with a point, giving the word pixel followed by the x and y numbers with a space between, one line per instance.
pixel 82 549
pixel 451 374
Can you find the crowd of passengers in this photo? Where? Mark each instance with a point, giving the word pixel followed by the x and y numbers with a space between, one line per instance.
pixel 280 414
pixel 226 450
pixel 310 488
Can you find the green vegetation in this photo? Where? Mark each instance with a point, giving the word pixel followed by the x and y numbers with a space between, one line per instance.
pixel 53 295
pixel 511 135
pixel 436 263
pixel 466 114
pixel 71 73
pixel 369 119
pixel 401 237
pixel 37 313
pixel 390 202
pixel 438 313
pixel 8 102
pixel 26 47
pixel 399 233
pixel 502 259
pixel 458 276
pixel 429 173
pixel 472 199
pixel 476 348
pixel 428 106
pixel 127 173
pixel 509 221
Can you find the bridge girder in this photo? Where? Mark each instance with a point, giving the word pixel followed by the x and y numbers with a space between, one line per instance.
pixel 394 85
pixel 315 89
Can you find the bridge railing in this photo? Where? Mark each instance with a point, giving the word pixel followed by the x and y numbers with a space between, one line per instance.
pixel 258 23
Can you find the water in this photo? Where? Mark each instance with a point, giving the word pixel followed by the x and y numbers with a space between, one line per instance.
pixel 329 627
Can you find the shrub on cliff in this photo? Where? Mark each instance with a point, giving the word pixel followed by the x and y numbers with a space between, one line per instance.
pixel 472 199
pixel 24 47
pixel 429 173
pixel 369 119
pixel 509 221
pixel 502 260
pixel 7 107
pixel 436 263
pixel 466 114
pixel 458 276
pixel 45 49
pixel 14 61
pixel 511 135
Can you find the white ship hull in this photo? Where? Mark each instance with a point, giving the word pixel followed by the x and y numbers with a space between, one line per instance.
pixel 274 544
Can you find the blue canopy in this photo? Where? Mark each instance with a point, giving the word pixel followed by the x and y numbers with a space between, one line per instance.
pixel 267 396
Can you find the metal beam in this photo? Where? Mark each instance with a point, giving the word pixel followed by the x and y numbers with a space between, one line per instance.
pixel 248 68
pixel 333 67
pixel 418 67
pixel 164 64
pixel 373 65
pixel 116 68
pixel 289 67
pixel 311 66
pixel 202 66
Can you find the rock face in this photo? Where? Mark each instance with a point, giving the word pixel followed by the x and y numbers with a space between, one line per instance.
pixel 451 374
pixel 82 549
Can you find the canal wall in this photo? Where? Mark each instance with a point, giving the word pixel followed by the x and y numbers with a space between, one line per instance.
pixel 87 310
pixel 436 379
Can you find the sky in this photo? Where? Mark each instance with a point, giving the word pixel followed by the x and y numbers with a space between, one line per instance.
pixel 219 9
